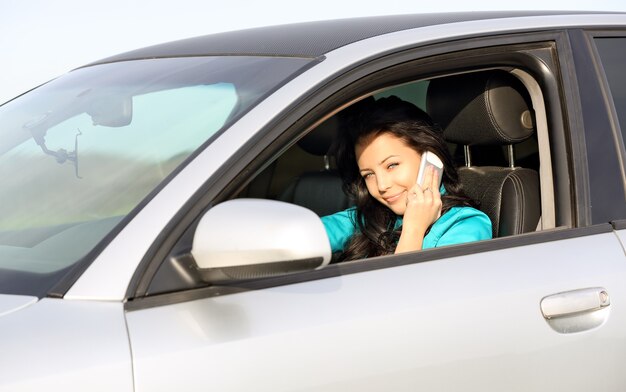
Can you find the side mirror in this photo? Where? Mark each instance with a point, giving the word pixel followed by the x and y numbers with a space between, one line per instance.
pixel 253 238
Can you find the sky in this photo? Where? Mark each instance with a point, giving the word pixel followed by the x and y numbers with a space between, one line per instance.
pixel 43 39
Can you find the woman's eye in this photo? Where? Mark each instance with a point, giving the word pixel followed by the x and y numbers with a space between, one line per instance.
pixel 367 175
pixel 392 165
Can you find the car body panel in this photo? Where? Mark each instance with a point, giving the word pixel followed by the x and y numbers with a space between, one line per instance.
pixel 61 345
pixel 472 320
pixel 621 234
pixel 12 303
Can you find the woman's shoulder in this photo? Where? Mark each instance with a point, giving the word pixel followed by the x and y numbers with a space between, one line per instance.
pixel 458 225
pixel 340 226
pixel 464 212
pixel 349 213
pixel 340 221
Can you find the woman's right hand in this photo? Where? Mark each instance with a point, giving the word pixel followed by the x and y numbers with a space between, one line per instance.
pixel 423 208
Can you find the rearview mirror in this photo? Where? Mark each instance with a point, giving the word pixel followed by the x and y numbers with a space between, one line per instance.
pixel 252 238
pixel 111 111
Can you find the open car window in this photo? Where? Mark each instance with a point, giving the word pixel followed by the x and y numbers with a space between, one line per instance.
pixel 306 174
pixel 504 159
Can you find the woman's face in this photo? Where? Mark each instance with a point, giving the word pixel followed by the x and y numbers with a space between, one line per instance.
pixel 389 167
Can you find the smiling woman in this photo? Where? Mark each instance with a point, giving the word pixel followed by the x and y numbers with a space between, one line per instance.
pixel 378 156
pixel 389 168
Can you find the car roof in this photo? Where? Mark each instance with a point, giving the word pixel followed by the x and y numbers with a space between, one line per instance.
pixel 313 39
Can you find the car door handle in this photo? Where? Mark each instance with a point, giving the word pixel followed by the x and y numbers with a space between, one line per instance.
pixel 574 302
pixel 576 310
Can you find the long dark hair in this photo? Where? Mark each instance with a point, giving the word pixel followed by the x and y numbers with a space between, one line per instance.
pixel 375 234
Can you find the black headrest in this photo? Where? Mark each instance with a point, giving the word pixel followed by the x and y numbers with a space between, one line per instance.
pixel 481 108
pixel 319 140
pixel 322 138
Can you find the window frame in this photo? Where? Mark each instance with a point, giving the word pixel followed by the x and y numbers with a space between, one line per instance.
pixel 509 51
pixel 618 132
pixel 598 153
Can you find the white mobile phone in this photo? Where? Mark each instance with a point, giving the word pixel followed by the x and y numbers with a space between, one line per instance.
pixel 430 159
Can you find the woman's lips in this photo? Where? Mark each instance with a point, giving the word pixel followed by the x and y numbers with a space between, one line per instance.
pixel 394 198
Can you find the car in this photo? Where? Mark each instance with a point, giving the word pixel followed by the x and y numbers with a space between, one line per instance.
pixel 159 213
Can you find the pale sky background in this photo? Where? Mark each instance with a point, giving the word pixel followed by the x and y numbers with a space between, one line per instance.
pixel 42 39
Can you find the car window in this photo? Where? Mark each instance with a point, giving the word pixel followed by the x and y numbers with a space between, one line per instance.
pixel 97 167
pixel 80 153
pixel 412 92
pixel 307 175
pixel 299 168
pixel 612 52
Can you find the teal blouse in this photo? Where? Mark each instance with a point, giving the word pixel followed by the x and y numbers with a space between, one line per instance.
pixel 457 225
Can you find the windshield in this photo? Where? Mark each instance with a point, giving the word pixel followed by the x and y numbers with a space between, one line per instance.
pixel 80 153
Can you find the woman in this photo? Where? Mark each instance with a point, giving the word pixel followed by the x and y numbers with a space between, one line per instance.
pixel 378 155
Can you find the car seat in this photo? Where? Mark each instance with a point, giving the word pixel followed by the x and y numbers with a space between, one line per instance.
pixel 490 109
pixel 321 190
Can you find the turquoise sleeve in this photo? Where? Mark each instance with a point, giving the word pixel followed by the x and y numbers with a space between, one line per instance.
pixel 458 225
pixel 469 227
pixel 339 228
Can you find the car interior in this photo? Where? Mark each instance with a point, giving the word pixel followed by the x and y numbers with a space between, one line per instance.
pixel 490 119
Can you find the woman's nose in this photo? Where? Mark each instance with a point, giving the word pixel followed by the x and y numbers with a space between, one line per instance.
pixel 383 183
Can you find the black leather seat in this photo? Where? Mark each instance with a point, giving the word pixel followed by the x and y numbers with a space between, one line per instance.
pixel 320 191
pixel 488 111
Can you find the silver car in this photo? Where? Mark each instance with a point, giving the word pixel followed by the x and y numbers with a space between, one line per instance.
pixel 159 213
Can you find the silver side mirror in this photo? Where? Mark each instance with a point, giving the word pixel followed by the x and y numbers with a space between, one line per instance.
pixel 253 238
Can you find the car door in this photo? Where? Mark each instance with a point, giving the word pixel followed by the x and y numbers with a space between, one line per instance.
pixel 537 311
pixel 470 321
